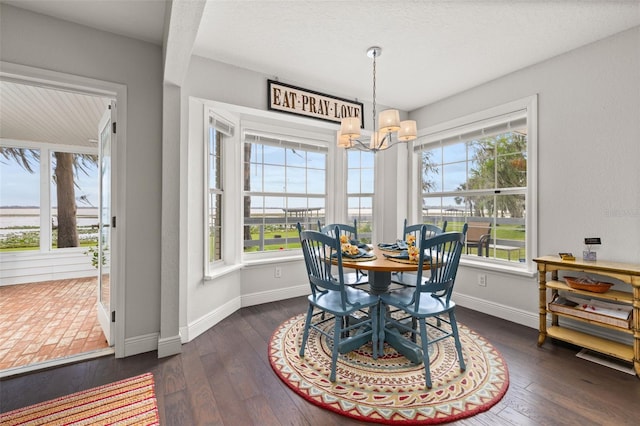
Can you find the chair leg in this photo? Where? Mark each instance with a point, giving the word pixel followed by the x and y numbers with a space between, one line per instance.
pixel 456 337
pixel 307 325
pixel 425 351
pixel 381 324
pixel 337 330
pixel 345 324
pixel 414 326
pixel 375 323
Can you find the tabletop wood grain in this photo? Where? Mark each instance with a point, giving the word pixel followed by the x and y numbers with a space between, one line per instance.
pixel 380 263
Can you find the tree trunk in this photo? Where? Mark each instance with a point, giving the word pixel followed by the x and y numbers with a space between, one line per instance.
pixel 65 189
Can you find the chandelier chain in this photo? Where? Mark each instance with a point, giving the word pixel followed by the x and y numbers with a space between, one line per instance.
pixel 381 138
pixel 374 90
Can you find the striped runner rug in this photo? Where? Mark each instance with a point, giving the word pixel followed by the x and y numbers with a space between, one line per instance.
pixel 126 402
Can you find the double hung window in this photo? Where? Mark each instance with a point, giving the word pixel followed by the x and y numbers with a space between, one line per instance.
pixel 360 184
pixel 217 131
pixel 479 170
pixel 284 183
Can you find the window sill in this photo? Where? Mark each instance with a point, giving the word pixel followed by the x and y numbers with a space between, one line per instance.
pixel 227 269
pixel 221 271
pixel 523 271
pixel 273 259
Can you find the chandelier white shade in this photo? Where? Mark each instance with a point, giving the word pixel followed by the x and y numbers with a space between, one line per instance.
pixel 408 131
pixel 350 126
pixel 389 120
pixel 389 123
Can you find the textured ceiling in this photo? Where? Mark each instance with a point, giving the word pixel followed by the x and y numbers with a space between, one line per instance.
pixel 431 49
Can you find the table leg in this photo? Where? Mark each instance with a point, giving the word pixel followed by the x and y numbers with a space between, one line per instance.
pixel 379 281
pixel 392 337
pixel 400 344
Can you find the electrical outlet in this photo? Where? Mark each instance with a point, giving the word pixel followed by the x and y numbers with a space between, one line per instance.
pixel 277 273
pixel 482 280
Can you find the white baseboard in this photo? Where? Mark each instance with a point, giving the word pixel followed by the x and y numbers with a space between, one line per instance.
pixel 275 295
pixel 169 346
pixel 141 344
pixel 504 312
pixel 202 324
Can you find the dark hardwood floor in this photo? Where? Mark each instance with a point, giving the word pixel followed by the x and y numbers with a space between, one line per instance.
pixel 223 377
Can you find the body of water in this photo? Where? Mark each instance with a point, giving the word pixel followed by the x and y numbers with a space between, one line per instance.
pixel 27 217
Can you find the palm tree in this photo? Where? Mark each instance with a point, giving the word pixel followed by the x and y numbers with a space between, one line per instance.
pixel 429 170
pixel 501 157
pixel 66 166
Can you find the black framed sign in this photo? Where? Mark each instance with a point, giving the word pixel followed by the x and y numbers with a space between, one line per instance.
pixel 295 100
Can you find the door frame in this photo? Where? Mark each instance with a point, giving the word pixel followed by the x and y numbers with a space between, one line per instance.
pixel 63 81
pixel 104 261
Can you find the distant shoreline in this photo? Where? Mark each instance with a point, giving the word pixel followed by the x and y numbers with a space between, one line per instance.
pixel 26 217
pixel 36 207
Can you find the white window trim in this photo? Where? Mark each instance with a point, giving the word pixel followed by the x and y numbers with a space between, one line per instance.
pixel 468 123
pixel 229 260
pixel 304 137
pixel 46 149
pixel 269 122
pixel 347 195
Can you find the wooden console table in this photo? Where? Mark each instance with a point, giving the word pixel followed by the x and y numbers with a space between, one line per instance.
pixel 627 273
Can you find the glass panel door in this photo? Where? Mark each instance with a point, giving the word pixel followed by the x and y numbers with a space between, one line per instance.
pixel 105 221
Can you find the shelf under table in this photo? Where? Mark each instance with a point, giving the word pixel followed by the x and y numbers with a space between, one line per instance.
pixel 598 344
pixel 613 295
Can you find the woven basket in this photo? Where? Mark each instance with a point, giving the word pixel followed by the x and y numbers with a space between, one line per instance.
pixel 587 285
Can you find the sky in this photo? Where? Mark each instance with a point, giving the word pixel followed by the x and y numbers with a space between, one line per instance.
pixel 18 187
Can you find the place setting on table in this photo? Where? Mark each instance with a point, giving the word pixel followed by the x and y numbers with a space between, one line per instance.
pixel 402 251
pixel 355 250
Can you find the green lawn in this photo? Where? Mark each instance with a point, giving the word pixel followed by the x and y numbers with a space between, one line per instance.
pixel 506 232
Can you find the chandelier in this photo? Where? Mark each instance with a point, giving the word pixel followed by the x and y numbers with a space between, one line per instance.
pixel 389 123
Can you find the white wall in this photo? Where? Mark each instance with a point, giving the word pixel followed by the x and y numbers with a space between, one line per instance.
pixel 588 151
pixel 35 266
pixel 39 41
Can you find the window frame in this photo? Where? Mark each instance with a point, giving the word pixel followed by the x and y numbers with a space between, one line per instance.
pixel 226 129
pixel 360 194
pixel 472 122
pixel 242 118
pixel 45 171
pixel 288 137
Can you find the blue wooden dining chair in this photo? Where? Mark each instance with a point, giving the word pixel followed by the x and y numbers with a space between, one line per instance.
pixel 358 277
pixel 330 295
pixel 408 278
pixel 401 309
pixel 432 230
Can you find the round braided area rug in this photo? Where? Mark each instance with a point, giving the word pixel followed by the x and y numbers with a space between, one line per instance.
pixel 391 390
